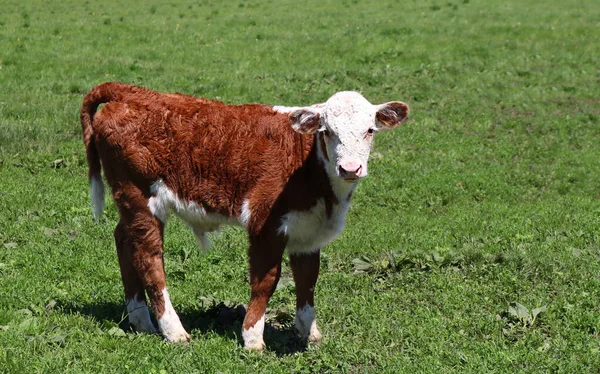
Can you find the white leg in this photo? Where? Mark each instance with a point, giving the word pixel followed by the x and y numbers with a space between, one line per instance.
pixel 169 323
pixel 253 337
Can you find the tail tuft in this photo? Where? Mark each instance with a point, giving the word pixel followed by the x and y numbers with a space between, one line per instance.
pixel 97 193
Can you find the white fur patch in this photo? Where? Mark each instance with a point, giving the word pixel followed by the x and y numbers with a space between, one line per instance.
pixel 169 323
pixel 245 214
pixel 253 337
pixel 286 109
pixel 97 195
pixel 290 109
pixel 306 323
pixel 164 201
pixel 139 316
pixel 309 231
pixel 348 116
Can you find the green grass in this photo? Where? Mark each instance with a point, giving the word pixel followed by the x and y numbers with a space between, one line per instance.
pixel 489 195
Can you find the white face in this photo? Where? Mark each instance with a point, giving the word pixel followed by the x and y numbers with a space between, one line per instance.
pixel 345 126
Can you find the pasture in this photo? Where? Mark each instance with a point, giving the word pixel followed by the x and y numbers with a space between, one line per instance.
pixel 487 197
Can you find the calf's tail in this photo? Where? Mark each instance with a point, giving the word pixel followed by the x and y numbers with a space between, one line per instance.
pixel 102 93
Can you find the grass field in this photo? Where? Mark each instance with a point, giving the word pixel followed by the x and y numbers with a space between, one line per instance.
pixel 488 196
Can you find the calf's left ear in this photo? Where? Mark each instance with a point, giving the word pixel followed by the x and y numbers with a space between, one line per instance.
pixel 390 115
pixel 305 121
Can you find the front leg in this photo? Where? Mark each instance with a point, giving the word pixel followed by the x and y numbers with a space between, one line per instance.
pixel 265 270
pixel 305 267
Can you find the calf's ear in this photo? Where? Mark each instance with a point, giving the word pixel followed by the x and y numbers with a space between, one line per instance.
pixel 390 115
pixel 305 121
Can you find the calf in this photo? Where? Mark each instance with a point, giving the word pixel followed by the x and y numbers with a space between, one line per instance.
pixel 286 174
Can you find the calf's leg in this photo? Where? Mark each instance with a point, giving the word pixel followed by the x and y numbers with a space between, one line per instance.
pixel 265 270
pixel 144 254
pixel 305 267
pixel 135 295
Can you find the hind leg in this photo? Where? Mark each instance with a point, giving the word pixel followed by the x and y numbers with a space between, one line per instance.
pixel 145 239
pixel 137 309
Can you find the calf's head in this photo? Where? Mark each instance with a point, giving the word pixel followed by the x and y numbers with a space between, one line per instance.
pixel 345 126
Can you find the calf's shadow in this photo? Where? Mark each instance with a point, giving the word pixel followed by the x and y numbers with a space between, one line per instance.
pixel 218 318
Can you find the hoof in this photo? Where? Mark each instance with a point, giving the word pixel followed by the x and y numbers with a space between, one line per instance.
pixel 144 327
pixel 181 337
pixel 315 337
pixel 256 345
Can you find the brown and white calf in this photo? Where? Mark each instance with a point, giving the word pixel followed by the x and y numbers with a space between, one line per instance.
pixel 284 173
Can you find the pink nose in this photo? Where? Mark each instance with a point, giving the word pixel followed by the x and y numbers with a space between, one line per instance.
pixel 351 170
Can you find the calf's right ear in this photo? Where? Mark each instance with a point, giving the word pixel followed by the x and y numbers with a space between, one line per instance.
pixel 305 121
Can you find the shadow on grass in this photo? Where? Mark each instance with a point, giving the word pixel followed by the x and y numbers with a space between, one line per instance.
pixel 281 339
